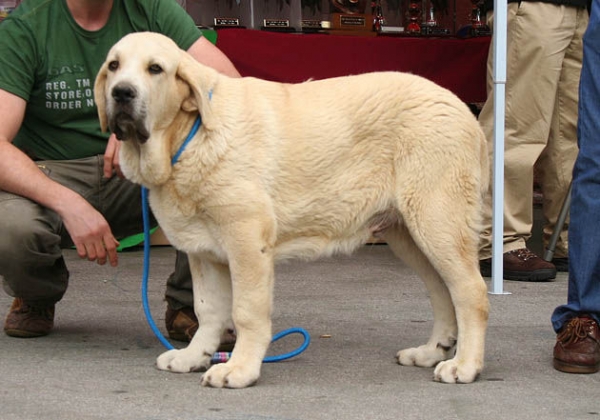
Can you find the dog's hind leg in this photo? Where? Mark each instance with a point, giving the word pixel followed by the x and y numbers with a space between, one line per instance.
pixel 212 304
pixel 443 336
pixel 449 242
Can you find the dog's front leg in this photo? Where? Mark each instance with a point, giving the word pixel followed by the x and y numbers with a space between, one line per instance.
pixel 252 274
pixel 212 304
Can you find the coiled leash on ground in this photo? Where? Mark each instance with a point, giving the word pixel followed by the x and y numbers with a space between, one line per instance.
pixel 218 357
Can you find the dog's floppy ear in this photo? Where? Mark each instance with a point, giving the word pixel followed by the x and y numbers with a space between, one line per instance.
pixel 100 97
pixel 201 80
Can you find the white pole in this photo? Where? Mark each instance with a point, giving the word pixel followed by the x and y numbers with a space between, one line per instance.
pixel 499 45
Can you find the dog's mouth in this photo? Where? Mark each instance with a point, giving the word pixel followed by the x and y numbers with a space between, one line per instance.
pixel 126 128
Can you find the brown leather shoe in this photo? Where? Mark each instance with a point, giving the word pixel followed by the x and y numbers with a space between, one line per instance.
pixel 577 348
pixel 522 265
pixel 182 324
pixel 27 321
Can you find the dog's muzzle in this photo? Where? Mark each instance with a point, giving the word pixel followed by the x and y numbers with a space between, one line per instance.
pixel 125 120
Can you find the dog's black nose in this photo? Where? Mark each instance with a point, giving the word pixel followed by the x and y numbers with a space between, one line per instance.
pixel 123 94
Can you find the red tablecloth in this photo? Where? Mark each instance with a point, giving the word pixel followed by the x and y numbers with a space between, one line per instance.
pixel 457 64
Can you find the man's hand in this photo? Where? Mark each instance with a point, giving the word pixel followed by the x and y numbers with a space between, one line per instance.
pixel 111 158
pixel 91 234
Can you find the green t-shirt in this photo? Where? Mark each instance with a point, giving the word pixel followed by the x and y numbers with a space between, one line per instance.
pixel 51 62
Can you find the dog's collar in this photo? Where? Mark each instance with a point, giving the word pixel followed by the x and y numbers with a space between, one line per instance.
pixel 192 133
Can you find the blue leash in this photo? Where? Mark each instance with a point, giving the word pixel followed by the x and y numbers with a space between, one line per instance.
pixel 218 357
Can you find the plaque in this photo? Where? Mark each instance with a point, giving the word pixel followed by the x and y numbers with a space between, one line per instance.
pixel 311 24
pixel 358 22
pixel 277 15
pixel 315 15
pixel 220 13
pixel 222 22
pixel 314 25
pixel 349 17
pixel 276 23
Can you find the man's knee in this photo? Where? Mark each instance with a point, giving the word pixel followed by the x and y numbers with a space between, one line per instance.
pixel 27 232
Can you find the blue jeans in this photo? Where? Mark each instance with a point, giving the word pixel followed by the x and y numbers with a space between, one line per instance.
pixel 584 228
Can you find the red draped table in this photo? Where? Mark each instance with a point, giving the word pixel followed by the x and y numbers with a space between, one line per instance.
pixel 457 64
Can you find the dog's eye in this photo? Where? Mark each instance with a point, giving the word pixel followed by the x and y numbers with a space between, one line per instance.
pixel 113 65
pixel 155 69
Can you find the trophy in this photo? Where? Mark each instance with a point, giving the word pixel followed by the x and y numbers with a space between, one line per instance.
pixel 387 16
pixel 349 7
pixel 378 19
pixel 430 25
pixel 349 17
pixel 478 26
pixel 414 16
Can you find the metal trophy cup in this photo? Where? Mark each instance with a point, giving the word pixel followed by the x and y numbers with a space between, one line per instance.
pixel 430 25
pixel 478 26
pixel 430 19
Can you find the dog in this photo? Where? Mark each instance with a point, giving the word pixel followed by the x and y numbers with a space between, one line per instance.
pixel 279 171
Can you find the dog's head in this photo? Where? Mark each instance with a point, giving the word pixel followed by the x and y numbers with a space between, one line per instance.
pixel 145 91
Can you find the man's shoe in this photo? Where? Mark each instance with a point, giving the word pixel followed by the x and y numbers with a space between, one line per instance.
pixel 521 264
pixel 182 324
pixel 561 264
pixel 27 321
pixel 577 348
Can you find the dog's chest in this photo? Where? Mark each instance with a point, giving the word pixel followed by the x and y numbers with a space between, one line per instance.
pixel 185 227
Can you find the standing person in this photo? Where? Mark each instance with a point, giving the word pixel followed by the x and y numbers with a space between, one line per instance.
pixel 544 54
pixel 57 169
pixel 577 348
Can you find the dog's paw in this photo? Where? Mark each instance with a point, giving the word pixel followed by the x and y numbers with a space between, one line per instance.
pixel 228 375
pixel 182 361
pixel 423 356
pixel 452 372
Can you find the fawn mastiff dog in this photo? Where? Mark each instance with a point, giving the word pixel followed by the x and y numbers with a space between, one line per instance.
pixel 279 171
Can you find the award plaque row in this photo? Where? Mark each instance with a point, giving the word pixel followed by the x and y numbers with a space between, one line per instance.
pixel 343 17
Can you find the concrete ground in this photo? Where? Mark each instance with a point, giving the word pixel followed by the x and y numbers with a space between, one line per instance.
pixel 99 361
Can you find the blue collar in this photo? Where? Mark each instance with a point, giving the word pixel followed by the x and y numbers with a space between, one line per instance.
pixel 192 133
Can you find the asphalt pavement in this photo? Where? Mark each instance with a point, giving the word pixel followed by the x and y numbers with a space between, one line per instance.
pixel 99 362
